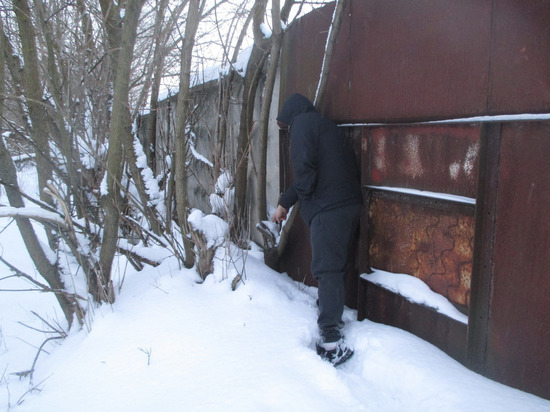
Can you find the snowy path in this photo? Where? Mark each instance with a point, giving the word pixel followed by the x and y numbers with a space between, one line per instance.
pixel 172 344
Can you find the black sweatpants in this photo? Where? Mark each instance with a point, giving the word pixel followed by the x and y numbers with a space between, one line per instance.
pixel 331 237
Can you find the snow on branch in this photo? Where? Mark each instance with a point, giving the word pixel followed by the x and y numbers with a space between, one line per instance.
pixel 35 213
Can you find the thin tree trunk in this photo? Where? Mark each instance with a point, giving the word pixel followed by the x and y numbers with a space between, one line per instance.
pixel 56 116
pixel 135 171
pixel 8 174
pixel 112 23
pixel 157 67
pixel 226 91
pixel 181 142
pixel 251 80
pixel 151 132
pixel 278 16
pixel 34 93
pixel 47 270
pixel 160 36
pixel 120 127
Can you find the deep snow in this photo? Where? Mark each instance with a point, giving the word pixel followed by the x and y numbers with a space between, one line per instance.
pixel 171 343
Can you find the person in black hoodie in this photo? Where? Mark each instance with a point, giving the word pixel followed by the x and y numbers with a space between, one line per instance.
pixel 326 182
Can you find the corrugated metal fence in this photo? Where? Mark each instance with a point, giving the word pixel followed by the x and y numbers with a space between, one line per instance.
pixel 481 238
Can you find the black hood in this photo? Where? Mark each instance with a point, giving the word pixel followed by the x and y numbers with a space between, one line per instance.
pixel 294 106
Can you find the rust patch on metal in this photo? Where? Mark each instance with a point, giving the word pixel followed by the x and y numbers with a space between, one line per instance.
pixel 434 158
pixel 425 241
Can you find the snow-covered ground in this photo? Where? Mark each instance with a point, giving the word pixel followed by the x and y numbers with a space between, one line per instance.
pixel 171 343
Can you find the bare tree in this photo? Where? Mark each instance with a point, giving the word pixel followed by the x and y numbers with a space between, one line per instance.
pixel 78 73
pixel 80 83
pixel 33 93
pixel 156 73
pixel 279 17
pixel 251 79
pixel 31 87
pixel 120 129
pixel 226 88
pixel 181 141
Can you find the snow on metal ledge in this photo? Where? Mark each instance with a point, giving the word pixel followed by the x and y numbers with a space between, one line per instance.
pixel 423 193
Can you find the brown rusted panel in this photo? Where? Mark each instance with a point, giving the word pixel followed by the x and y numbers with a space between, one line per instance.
pixel 415 60
pixel 336 103
pixel 352 278
pixel 519 329
pixel 397 60
pixel 302 53
pixel 520 66
pixel 383 306
pixel 434 158
pixel 482 274
pixel 425 238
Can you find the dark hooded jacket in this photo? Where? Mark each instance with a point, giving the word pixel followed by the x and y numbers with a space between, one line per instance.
pixel 325 170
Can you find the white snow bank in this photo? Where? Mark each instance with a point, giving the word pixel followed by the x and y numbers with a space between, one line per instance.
pixel 221 201
pixel 415 291
pixel 171 344
pixel 213 227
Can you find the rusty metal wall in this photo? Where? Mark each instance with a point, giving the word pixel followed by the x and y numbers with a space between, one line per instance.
pixel 442 158
pixel 509 322
pixel 520 57
pixel 518 341
pixel 429 238
pixel 398 60
pixel 425 238
pixel 302 53
pixel 402 61
pixel 381 305
pixel 419 60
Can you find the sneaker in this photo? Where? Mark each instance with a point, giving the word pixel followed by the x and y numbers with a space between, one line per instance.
pixel 334 352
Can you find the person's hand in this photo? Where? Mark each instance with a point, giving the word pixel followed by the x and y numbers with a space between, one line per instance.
pixel 279 215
